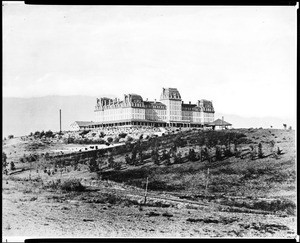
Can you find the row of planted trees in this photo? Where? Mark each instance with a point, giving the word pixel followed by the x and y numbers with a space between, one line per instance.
pixel 211 146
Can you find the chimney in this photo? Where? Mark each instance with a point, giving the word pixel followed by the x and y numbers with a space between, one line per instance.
pixel 181 102
pixel 189 102
pixel 155 101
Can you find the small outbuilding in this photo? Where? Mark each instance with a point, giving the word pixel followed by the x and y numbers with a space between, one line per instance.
pixel 80 125
pixel 219 124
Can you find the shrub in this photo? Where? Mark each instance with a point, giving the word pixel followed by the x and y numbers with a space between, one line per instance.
pixel 178 158
pixel 72 185
pixel 117 165
pixel 260 153
pixel 127 159
pixel 4 160
pixel 276 205
pixel 272 144
pixel 141 156
pixel 49 134
pixel 253 154
pixel 116 140
pixel 84 132
pixel 218 153
pixel 110 139
pixel 10 136
pixel 101 141
pixel 12 165
pixel 165 155
pixel 192 155
pixel 122 135
pixel 111 161
pixel 155 156
pixel 129 139
pixel 93 165
pixel 179 142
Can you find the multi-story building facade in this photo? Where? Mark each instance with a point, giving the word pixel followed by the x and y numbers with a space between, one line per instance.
pixel 169 111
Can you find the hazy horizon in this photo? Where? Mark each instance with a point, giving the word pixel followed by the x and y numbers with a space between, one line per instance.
pixel 25 115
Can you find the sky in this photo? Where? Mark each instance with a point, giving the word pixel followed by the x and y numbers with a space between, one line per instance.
pixel 241 58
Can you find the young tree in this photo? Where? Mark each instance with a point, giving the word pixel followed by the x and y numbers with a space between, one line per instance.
pixel 4 162
pixel 218 153
pixel 201 154
pixel 117 166
pixel 260 152
pixel 110 140
pixel 127 159
pixel 253 153
pixel 272 145
pixel 141 157
pixel 279 151
pixel 164 155
pixel 179 142
pixel 12 165
pixel 155 157
pixel 210 154
pixel 134 153
pixel 111 161
pixel 227 151
pixel 192 155
pixel 49 134
pixel 284 126
pixel 178 158
pixel 42 134
pixel 168 158
pixel 93 165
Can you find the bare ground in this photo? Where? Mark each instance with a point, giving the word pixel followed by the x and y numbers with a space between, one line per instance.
pixel 31 210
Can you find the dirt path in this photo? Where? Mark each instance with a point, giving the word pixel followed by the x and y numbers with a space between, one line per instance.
pixel 47 214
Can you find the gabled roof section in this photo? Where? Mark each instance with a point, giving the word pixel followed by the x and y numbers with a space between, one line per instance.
pixel 206 105
pixel 219 122
pixel 154 104
pixel 135 97
pixel 170 94
pixel 84 123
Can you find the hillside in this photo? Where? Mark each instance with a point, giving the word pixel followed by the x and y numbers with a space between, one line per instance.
pixel 239 194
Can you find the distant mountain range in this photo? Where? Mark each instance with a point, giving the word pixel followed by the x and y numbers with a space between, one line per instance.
pixel 256 122
pixel 24 115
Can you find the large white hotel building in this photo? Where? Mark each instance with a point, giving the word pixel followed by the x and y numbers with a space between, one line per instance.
pixel 169 111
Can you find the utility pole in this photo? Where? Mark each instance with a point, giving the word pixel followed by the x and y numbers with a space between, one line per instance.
pixel 207 181
pixel 146 191
pixel 59 120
